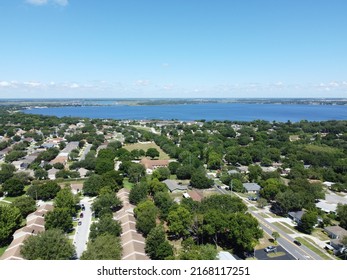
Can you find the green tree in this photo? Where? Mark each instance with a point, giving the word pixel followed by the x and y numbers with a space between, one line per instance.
pixel 106 224
pixel 157 247
pixel 48 245
pixel 45 191
pixel 104 247
pixel 10 219
pixel 106 204
pixel 59 218
pixel 173 166
pixel 146 214
pixel 200 181
pixel 254 173
pixel 237 186
pixel 152 153
pixel 25 204
pixel 6 172
pixel 92 185
pixel 103 165
pixel 161 173
pixel 192 251
pixel 249 229
pixel 138 193
pixel 13 187
pixel 342 214
pixel 308 221
pixel 136 172
pixel 179 221
pixel 66 200
pixel 41 174
pixel 164 202
pixel 261 202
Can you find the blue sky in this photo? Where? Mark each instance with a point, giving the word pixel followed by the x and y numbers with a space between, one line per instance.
pixel 173 48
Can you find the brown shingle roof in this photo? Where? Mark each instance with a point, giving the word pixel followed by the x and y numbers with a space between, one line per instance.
pixel 153 164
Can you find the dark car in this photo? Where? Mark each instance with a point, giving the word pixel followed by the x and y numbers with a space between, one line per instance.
pixel 80 223
pixel 297 242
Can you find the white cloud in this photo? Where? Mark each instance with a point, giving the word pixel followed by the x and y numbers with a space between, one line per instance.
pixel 142 83
pixel 37 2
pixel 45 2
pixel 62 2
pixel 5 84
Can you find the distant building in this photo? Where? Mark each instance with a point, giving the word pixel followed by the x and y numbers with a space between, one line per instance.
pixel 296 216
pixel 252 187
pixel 195 195
pixel 174 186
pixel 151 164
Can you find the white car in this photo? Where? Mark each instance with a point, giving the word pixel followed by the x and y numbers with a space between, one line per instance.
pixel 270 249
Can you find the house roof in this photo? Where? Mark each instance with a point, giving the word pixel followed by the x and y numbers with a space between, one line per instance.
pixel 59 159
pixel 152 164
pixel 297 215
pixel 12 253
pixel 223 255
pixel 251 187
pixel 31 229
pixel 174 186
pixel 326 207
pixel 336 230
pixel 196 196
pixel 38 221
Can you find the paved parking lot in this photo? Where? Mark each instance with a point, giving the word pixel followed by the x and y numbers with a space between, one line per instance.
pixel 262 255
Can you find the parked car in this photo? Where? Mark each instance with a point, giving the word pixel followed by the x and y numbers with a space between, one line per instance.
pixel 81 215
pixel 80 223
pixel 270 249
pixel 297 242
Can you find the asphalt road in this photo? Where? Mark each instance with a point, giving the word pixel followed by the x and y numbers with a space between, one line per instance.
pixel 287 242
pixel 82 231
pixel 86 151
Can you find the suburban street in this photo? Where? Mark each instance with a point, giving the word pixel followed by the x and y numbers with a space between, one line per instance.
pixel 86 151
pixel 298 252
pixel 82 231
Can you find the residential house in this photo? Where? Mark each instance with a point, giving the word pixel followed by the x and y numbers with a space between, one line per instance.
pixel 252 187
pixel 133 243
pixel 151 164
pixel 296 216
pixel 336 233
pixel 35 224
pixel 174 185
pixel 196 195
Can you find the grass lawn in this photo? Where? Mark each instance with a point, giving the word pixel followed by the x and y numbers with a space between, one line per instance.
pixel 312 247
pixel 284 228
pixel 264 215
pixel 11 199
pixel 264 242
pixel 127 184
pixel 276 254
pixel 4 203
pixel 3 249
pixel 320 234
pixel 145 147
pixel 145 128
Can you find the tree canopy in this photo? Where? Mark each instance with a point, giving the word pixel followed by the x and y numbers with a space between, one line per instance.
pixel 51 244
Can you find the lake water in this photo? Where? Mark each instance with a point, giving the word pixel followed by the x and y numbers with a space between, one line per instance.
pixel 210 111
